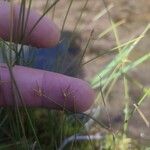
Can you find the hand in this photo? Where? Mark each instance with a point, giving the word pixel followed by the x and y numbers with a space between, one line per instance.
pixel 33 87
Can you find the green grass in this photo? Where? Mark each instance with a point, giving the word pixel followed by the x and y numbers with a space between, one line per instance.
pixel 26 128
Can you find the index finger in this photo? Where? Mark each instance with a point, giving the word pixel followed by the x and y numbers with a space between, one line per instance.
pixel 45 34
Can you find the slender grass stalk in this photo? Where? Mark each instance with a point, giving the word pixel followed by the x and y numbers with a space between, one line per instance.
pixel 16 96
pixel 142 116
pixel 46 4
pixel 137 105
pixel 102 13
pixel 122 56
pixel 67 13
pixel 115 25
pixel 126 108
pixel 24 130
pixel 53 12
pixel 48 9
pixel 86 46
pixel 11 31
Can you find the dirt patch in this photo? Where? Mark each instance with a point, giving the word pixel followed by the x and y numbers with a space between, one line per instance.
pixel 136 15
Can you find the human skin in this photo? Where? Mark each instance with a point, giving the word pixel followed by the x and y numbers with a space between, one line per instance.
pixel 44 34
pixel 39 88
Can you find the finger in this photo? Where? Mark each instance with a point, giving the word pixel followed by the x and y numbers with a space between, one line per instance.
pixel 44 89
pixel 45 34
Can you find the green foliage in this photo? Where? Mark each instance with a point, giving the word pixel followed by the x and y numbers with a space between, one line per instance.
pixel 119 142
pixel 44 129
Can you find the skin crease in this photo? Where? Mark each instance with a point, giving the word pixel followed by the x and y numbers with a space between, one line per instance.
pixel 39 88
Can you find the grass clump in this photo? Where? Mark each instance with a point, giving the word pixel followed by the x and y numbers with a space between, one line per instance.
pixel 26 128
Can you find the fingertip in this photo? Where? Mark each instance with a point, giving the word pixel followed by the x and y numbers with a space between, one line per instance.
pixel 39 32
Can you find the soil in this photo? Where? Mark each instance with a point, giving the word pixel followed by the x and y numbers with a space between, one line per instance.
pixel 136 16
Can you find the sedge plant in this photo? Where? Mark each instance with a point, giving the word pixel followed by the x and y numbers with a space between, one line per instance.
pixel 35 128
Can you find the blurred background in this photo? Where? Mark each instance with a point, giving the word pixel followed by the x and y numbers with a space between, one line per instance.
pixel 92 21
pixel 133 16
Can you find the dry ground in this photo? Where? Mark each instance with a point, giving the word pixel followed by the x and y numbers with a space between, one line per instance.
pixel 136 14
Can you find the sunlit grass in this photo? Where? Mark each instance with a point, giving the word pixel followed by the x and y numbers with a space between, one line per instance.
pixel 24 128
